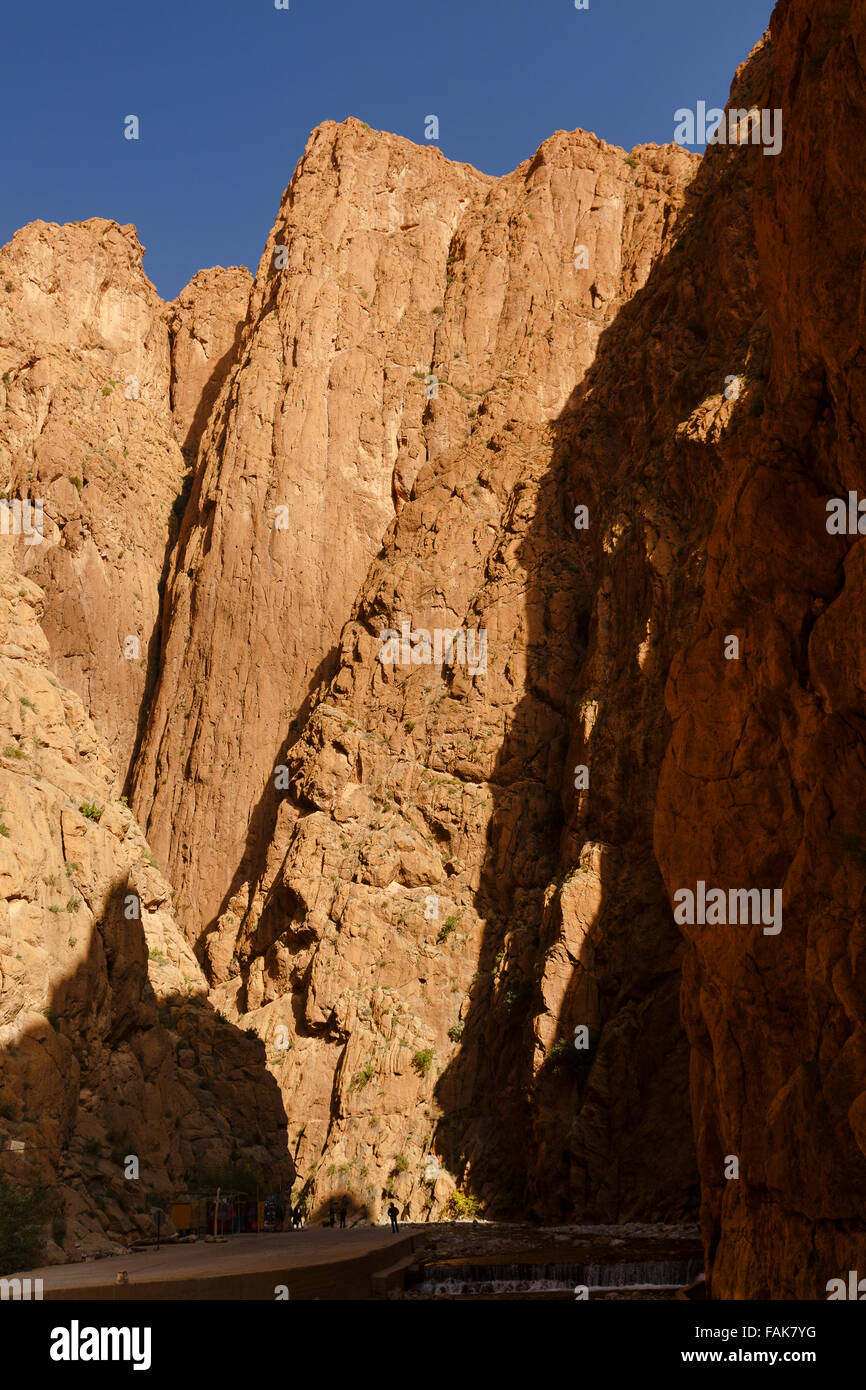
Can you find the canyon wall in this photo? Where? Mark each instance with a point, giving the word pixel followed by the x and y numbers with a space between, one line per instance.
pixel 585 419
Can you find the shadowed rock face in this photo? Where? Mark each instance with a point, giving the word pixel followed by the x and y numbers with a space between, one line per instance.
pixel 761 783
pixel 421 881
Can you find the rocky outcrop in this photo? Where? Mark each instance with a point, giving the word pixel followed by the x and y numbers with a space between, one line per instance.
pixel 205 323
pixel 104 391
pixel 109 1049
pixel 85 428
pixel 317 438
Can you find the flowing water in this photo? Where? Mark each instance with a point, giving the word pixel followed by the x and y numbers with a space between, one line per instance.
pixel 461 1279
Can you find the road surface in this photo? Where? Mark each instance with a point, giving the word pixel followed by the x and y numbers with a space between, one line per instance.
pixel 316 1262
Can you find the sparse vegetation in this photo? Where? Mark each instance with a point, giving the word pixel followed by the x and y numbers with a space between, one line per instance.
pixel 91 811
pixel 423 1060
pixel 447 927
pixel 455 1032
pixel 364 1076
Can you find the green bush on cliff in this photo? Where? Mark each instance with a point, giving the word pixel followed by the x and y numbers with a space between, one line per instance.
pixel 22 1212
pixel 423 1060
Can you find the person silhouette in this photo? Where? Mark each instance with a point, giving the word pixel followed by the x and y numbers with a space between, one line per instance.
pixel 344 1211
pixel 393 1213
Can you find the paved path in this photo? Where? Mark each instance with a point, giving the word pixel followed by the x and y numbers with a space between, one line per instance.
pixel 240 1255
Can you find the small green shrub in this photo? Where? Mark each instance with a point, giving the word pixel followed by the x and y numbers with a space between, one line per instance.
pixel 447 927
pixel 455 1032
pixel 423 1060
pixel 91 811
pixel 462 1205
pixel 363 1077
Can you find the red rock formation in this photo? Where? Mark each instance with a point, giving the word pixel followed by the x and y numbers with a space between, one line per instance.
pixel 414 1021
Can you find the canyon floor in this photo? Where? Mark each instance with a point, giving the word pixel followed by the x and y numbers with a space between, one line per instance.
pixel 458 1260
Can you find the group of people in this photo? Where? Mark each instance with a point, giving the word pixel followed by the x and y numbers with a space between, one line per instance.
pixel 344 1212
pixel 393 1213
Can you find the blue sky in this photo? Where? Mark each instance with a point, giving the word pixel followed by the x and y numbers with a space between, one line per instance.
pixel 227 92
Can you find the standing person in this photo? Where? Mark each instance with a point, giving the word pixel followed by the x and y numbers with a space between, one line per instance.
pixel 393 1213
pixel 331 1212
pixel 344 1211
